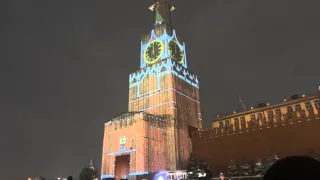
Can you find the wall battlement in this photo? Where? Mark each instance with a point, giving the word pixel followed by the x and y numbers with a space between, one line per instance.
pixel 129 118
pixel 286 135
pixel 284 120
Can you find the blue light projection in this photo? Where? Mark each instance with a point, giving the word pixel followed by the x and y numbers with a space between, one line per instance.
pixel 165 38
pixel 121 152
pixel 137 173
pixel 160 69
pixel 161 176
pixel 103 176
pixel 147 95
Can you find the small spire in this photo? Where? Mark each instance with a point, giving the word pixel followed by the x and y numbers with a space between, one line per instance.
pixel 162 12
pixel 91 164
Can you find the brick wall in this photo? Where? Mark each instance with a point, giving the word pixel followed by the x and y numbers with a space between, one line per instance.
pixel 289 137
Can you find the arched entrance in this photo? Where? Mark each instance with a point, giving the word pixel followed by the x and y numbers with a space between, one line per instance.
pixel 122 167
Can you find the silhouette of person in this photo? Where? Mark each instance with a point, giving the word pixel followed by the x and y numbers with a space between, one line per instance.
pixel 294 167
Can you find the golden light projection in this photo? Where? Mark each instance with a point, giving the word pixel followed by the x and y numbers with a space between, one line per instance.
pixel 153 52
pixel 151 8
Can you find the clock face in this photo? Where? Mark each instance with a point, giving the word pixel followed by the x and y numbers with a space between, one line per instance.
pixel 153 52
pixel 176 52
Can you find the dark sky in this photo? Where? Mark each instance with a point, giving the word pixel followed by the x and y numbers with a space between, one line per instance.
pixel 65 67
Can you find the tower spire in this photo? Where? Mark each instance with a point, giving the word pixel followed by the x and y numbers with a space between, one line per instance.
pixel 91 164
pixel 162 12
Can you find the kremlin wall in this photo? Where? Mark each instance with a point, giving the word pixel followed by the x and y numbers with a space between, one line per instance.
pixel 288 128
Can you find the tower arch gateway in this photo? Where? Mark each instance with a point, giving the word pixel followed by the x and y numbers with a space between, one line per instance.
pixel 163 102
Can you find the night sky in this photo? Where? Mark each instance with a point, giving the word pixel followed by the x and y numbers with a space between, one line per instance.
pixel 64 68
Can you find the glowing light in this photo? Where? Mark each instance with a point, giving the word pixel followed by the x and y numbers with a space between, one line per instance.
pixel 103 176
pixel 151 8
pixel 160 178
pixel 138 173
pixel 121 152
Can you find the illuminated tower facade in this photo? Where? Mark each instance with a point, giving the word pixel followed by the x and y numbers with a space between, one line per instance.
pixel 163 101
pixel 163 86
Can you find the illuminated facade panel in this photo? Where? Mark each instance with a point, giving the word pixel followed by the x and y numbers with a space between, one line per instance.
pixel 271 113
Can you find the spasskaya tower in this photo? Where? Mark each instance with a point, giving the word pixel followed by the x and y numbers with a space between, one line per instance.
pixel 163 101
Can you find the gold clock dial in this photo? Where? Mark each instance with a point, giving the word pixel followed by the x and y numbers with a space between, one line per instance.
pixel 153 52
pixel 176 52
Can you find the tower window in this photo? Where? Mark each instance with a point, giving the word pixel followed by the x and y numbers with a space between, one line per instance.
pixel 297 107
pixel 270 114
pixel 289 109
pixel 278 112
pixel 308 105
pixel 221 124
pixel 259 115
pixel 317 103
pixel 227 123
pixel 236 120
pixel 242 120
pixel 253 117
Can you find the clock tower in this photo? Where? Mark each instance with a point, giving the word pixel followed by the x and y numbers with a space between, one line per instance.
pixel 163 101
pixel 163 85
